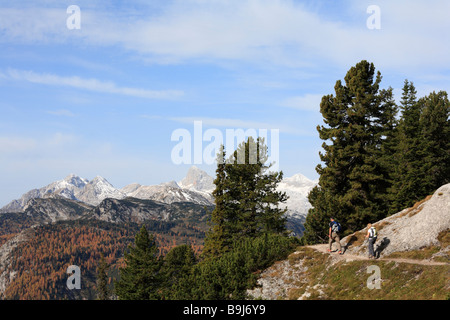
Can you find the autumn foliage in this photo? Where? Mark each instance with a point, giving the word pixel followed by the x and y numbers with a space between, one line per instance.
pixel 39 265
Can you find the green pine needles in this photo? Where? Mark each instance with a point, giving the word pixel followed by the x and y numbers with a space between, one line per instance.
pixel 247 204
pixel 140 279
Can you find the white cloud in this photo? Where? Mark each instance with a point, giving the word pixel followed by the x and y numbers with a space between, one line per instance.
pixel 31 24
pixel 277 32
pixel 308 102
pixel 90 84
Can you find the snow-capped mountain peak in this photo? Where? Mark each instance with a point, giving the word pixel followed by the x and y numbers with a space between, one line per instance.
pixel 298 180
pixel 194 188
pixel 97 190
pixel 74 180
pixel 172 184
pixel 198 180
pixel 297 188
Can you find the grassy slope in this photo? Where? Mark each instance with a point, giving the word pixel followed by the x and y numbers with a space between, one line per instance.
pixel 348 279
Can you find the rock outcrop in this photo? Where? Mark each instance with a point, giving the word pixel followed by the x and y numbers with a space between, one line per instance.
pixel 410 229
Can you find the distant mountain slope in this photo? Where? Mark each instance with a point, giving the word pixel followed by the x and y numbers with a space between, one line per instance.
pixel 45 210
pixel 168 193
pixel 97 190
pixel 297 188
pixel 72 187
pixel 141 210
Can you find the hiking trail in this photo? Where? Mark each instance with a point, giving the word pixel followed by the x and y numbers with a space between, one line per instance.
pixel 351 257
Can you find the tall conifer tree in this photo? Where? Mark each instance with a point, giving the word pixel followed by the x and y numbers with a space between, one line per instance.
pixel 407 175
pixel 140 278
pixel 353 176
pixel 435 140
pixel 423 149
pixel 247 203
pixel 217 240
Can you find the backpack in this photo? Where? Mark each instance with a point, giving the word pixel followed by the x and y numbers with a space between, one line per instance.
pixel 336 227
pixel 372 232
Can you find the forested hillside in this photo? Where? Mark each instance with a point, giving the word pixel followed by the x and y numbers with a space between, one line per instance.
pixel 37 266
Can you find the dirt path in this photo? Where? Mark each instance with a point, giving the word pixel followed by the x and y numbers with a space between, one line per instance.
pixel 351 257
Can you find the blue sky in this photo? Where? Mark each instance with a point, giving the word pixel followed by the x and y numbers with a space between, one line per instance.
pixel 105 99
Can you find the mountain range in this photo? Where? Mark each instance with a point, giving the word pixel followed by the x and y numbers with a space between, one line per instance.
pixel 196 187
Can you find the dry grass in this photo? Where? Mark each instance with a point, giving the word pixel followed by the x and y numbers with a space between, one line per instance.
pixel 444 238
pixel 356 239
pixel 348 281
pixel 379 226
pixel 416 208
pixel 421 254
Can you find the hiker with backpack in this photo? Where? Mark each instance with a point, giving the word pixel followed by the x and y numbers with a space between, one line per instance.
pixel 372 237
pixel 333 234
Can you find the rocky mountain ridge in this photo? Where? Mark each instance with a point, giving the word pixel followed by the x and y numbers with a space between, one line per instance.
pixel 73 188
pixel 139 210
pixel 195 187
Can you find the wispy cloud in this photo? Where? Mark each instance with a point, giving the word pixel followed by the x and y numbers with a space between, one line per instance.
pixel 91 84
pixel 59 139
pixel 281 32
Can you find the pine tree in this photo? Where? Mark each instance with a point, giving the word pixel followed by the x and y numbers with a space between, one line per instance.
pixel 407 186
pixel 217 241
pixel 176 268
pixel 229 275
pixel 247 203
pixel 252 192
pixel 140 278
pixel 354 176
pixel 435 140
pixel 102 279
pixel 422 155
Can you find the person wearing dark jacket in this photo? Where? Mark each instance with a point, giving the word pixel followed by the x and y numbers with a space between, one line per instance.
pixel 333 235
